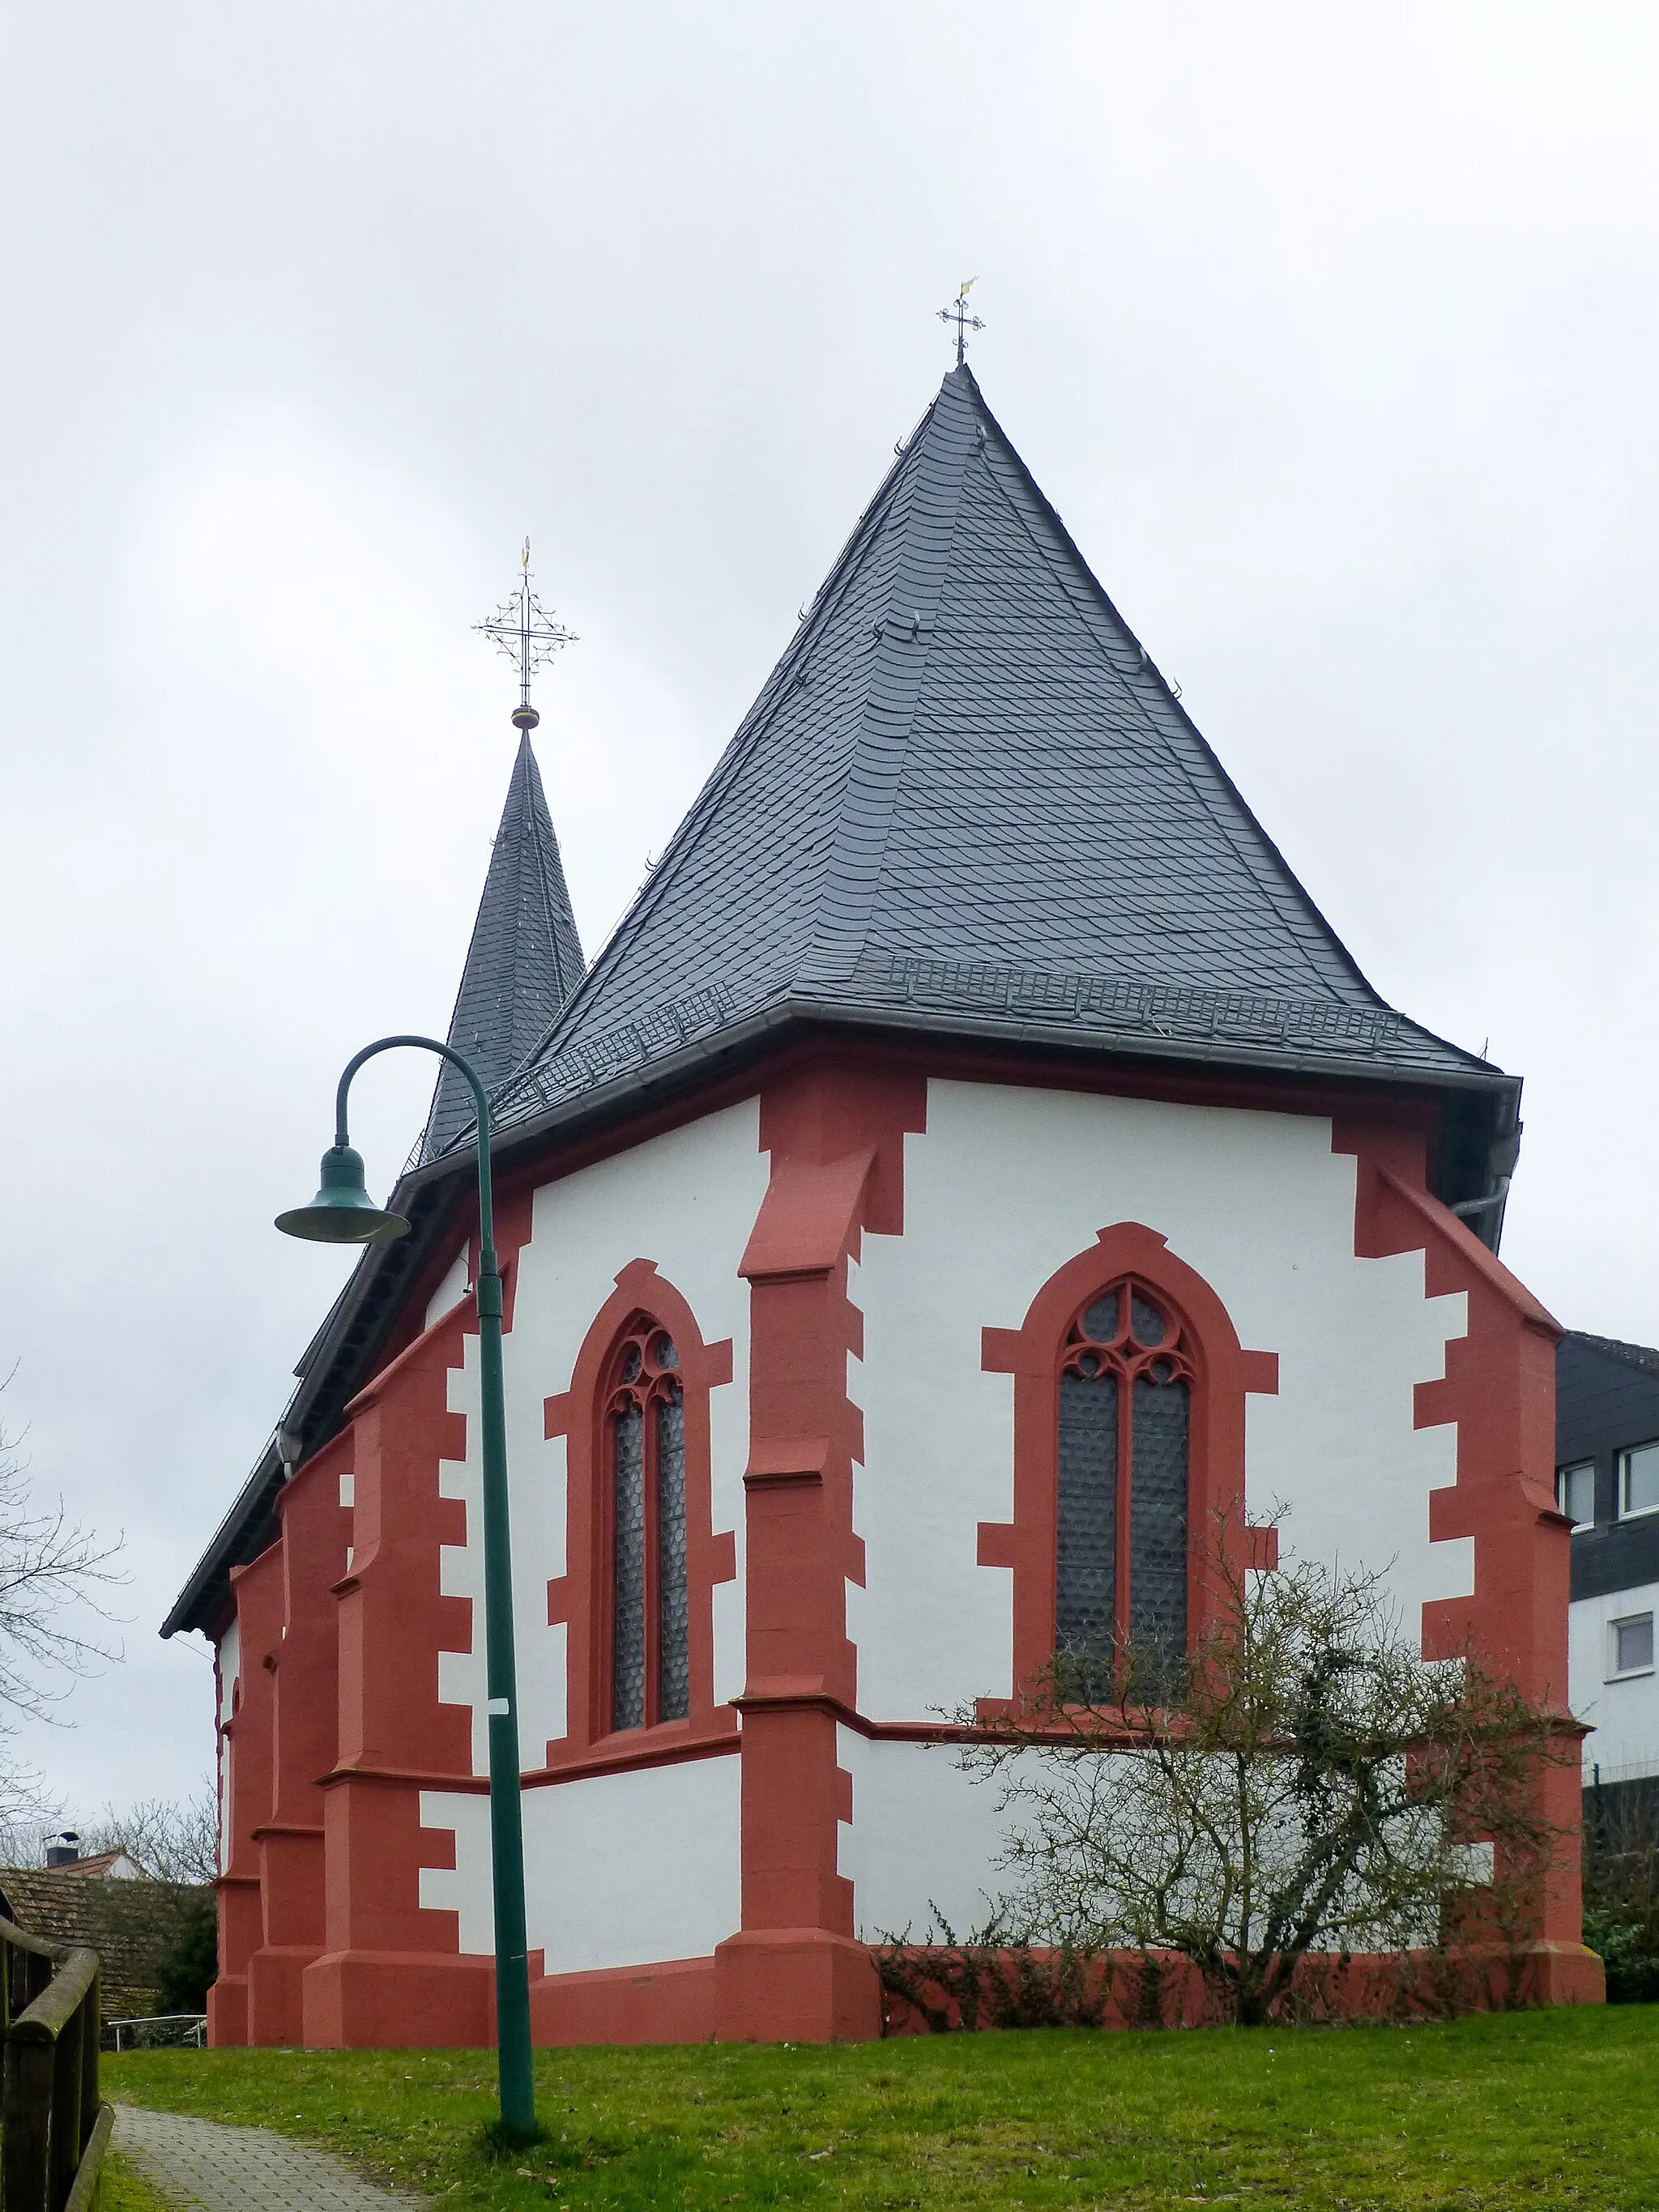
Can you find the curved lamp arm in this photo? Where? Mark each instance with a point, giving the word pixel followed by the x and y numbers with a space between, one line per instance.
pixel 475 1082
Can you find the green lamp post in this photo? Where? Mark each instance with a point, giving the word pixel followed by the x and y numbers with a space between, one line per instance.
pixel 344 1213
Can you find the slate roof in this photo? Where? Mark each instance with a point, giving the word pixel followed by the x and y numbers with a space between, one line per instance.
pixel 524 958
pixel 1643 1357
pixel 966 799
pixel 964 803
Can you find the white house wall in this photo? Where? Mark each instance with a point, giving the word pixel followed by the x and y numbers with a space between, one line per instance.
pixel 687 1200
pixel 620 1869
pixel 229 1662
pixel 1623 1713
pixel 1006 1185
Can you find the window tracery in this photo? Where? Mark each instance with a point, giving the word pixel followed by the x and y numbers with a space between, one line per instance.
pixel 1127 1373
pixel 645 1428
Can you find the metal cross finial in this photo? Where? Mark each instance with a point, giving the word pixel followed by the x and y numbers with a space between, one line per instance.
pixel 957 312
pixel 524 631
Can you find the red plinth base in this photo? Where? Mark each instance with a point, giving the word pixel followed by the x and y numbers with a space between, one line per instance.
pixel 1566 1974
pixel 795 1986
pixel 226 2012
pixel 672 2001
pixel 399 2000
pixel 276 1978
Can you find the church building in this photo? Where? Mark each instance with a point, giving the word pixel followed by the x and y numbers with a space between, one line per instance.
pixel 972 1162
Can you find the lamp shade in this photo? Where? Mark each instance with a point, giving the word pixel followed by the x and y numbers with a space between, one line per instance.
pixel 343 1212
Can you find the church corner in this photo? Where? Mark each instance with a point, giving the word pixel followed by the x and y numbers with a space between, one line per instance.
pixel 971 1081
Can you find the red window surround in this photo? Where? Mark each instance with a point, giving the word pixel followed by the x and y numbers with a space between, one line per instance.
pixel 642 1308
pixel 643 1471
pixel 1218 1372
pixel 1125 1383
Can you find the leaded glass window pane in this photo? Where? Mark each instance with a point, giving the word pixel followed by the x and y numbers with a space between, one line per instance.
pixel 1157 1517
pixel 1086 1552
pixel 673 1655
pixel 628 1608
pixel 1146 1324
pixel 1102 1321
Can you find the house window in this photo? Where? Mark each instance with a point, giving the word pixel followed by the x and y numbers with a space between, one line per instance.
pixel 1629 1646
pixel 1124 1420
pixel 645 1424
pixel 1639 1480
pixel 1574 1494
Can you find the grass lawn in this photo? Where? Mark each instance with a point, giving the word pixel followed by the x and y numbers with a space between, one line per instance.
pixel 122 2188
pixel 1534 2110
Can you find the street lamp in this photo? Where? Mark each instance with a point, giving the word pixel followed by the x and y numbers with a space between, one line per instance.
pixel 344 1213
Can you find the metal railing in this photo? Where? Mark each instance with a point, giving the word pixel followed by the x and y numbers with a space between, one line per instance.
pixel 160 2031
pixel 54 2128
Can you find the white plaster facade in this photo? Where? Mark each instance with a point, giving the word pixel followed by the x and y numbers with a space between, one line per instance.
pixel 624 1869
pixel 227 1660
pixel 1622 1710
pixel 1006 1185
pixel 649 1857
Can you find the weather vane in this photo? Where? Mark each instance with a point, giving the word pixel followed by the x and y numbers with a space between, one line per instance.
pixel 957 312
pixel 524 631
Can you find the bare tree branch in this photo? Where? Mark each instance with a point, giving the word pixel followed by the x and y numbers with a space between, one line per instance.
pixel 1302 1782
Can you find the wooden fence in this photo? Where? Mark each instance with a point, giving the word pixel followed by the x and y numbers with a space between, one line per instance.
pixel 53 2128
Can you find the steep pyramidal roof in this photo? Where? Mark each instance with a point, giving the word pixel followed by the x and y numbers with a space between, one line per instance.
pixel 966 800
pixel 524 959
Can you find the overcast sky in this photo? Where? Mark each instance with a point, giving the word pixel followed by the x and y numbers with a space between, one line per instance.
pixel 1329 330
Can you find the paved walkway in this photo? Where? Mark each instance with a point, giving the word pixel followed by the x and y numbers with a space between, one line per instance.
pixel 208 2167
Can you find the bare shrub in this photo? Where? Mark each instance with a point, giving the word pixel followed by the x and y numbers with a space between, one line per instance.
pixel 1300 1791
pixel 994 1978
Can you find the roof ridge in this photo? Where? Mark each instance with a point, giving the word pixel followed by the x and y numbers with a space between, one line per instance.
pixel 732 757
pixel 943 450
pixel 1644 1356
pixel 1066 574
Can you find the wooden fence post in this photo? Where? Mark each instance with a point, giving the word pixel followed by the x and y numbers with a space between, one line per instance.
pixel 63 2151
pixel 53 2131
pixel 26 2126
pixel 91 2035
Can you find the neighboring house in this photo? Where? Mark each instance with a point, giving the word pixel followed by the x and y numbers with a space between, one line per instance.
pixel 108 1903
pixel 973 1164
pixel 1607 1481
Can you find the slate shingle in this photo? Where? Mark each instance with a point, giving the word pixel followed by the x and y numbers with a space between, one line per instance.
pixel 523 963
pixel 966 796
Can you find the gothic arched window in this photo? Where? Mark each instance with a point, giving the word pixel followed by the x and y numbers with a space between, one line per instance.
pixel 645 1449
pixel 1126 1379
pixel 1129 1391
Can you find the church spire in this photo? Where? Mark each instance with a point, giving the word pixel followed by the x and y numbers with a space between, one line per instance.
pixel 526 958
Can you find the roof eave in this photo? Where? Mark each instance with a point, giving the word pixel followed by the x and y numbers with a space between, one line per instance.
pixel 420 1192
pixel 669 1070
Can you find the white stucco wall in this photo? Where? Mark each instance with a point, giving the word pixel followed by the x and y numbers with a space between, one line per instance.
pixel 229 1660
pixel 1006 1185
pixel 1623 1714
pixel 620 1869
pixel 451 1291
pixel 687 1200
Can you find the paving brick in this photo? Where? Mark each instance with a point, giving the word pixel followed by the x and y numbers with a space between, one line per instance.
pixel 201 2166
